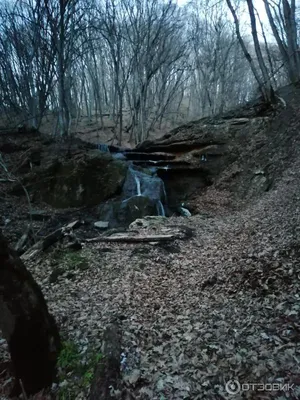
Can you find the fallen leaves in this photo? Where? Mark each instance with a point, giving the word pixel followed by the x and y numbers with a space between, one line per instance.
pixel 197 313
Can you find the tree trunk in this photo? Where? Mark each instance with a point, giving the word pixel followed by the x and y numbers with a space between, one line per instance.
pixel 26 324
pixel 258 79
pixel 267 88
pixel 288 51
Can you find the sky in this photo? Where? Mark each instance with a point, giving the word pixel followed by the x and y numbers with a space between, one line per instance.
pixel 258 4
pixel 244 18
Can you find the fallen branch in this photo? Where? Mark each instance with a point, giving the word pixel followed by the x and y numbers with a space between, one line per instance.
pixel 127 238
pixel 49 240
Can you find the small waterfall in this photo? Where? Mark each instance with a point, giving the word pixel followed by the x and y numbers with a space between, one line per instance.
pixel 147 185
pixel 138 185
pixel 165 193
pixel 160 209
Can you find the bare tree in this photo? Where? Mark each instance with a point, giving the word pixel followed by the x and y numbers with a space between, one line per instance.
pixel 219 74
pixel 26 60
pixel 262 78
pixel 282 19
pixel 65 18
pixel 141 63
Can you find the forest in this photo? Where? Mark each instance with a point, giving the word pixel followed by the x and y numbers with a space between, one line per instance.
pixel 149 199
pixel 144 64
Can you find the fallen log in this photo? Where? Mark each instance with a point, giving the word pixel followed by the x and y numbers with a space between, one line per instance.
pixel 133 239
pixel 107 374
pixel 49 240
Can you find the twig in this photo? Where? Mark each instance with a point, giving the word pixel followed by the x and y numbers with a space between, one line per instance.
pixel 7 180
pixel 23 390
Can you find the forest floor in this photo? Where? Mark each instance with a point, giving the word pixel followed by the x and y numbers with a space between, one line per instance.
pixel 215 316
pixel 222 305
pixel 195 314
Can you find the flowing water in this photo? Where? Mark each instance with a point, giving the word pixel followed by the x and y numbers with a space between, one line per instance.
pixel 160 209
pixel 103 147
pixel 139 183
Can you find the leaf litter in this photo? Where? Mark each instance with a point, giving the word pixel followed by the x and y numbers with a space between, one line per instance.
pixel 223 305
pixel 198 313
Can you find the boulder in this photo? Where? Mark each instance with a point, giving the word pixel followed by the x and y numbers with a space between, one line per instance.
pixel 258 184
pixel 86 181
pixel 136 207
pixel 144 182
pixel 101 224
pixel 147 222
pixel 123 213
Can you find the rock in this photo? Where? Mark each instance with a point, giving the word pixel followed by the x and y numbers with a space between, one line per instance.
pixel 85 181
pixel 170 248
pixel 108 212
pixel 184 212
pixel 258 184
pixel 6 221
pixel 143 182
pixel 123 213
pixel 101 224
pixel 148 221
pixel 105 250
pixel 55 274
pixel 136 207
pixel 195 155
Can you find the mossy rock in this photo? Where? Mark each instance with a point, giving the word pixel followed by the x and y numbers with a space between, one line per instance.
pixel 86 181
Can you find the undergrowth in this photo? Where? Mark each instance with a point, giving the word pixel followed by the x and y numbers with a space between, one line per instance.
pixel 75 370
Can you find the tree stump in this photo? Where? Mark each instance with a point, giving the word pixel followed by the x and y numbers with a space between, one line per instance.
pixel 29 329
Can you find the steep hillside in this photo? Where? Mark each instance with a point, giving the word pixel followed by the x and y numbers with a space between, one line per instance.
pixel 243 152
